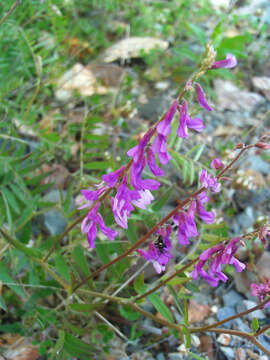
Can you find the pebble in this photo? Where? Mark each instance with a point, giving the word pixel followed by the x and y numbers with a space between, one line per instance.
pixel 232 298
pixel 228 352
pixel 224 339
pixel 248 304
pixel 224 313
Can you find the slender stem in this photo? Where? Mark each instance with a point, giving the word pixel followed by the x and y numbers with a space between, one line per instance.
pixel 262 330
pixel 141 240
pixel 243 313
pixel 247 336
pixel 183 268
pixel 10 11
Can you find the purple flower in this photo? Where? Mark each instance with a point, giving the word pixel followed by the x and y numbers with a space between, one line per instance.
pixel 261 291
pixel 264 235
pixel 146 198
pixel 152 164
pixel 89 226
pixel 185 122
pixel 207 216
pixel 201 97
pixel 182 130
pixel 159 145
pixel 209 181
pixel 217 256
pixel 186 224
pixel 137 152
pixel 91 195
pixel 122 203
pixel 135 177
pixel 228 63
pixel 112 178
pixel 217 164
pixel 159 252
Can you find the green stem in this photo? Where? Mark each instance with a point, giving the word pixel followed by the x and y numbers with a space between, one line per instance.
pixel 10 11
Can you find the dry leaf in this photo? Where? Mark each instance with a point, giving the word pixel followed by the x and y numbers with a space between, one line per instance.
pixel 132 48
pixel 78 78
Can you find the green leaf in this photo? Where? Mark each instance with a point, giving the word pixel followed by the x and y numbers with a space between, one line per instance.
pixel 77 347
pixel 8 212
pixel 84 307
pixel 2 303
pixel 11 199
pixel 177 302
pixel 195 356
pixel 187 337
pixel 62 267
pixel 163 199
pixel 98 165
pixel 255 324
pixel 198 32
pixel 129 313
pixel 199 152
pixel 7 280
pixel 160 306
pixel 80 260
pixel 139 285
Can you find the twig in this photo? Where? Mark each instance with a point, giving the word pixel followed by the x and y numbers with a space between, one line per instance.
pixel 13 7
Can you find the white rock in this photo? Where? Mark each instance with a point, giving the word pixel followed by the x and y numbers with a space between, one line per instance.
pixel 262 83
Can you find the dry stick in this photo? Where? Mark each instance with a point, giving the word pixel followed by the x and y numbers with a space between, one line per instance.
pixel 13 7
pixel 243 313
pixel 247 336
pixel 158 225
pixel 139 242
pixel 183 268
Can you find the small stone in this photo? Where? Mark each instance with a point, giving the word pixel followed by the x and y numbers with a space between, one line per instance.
pixel 232 298
pixel 246 305
pixel 228 352
pixel 240 354
pixel 262 83
pixel 175 356
pixel 238 324
pixel 224 313
pixel 224 339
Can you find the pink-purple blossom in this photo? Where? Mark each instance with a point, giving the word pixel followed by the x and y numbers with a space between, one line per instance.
pixel 264 235
pixel 112 178
pixel 89 226
pixel 201 97
pixel 159 256
pixel 261 291
pixel 227 63
pixel 206 216
pixel 217 164
pixel 209 181
pixel 186 122
pixel 217 256
pixel 186 224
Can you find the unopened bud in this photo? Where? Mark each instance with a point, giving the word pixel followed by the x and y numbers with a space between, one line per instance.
pixel 262 145
pixel 239 146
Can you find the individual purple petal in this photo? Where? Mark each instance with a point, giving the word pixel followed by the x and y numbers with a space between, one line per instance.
pixel 239 266
pixel 164 127
pixel 152 164
pixel 201 98
pixel 182 130
pixel 159 147
pixel 92 234
pixel 195 124
pixel 217 164
pixel 228 63
pixel 146 198
pixel 207 216
pixel 111 234
pixel 112 178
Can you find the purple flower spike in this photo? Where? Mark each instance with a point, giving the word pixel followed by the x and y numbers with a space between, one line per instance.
pixel 217 256
pixel 217 164
pixel 209 181
pixel 159 252
pixel 182 130
pixel 228 63
pixel 164 127
pixel 112 178
pixel 186 224
pixel 201 98
pixel 261 291
pixel 89 226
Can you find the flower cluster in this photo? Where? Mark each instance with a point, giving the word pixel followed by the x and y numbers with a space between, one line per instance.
pixel 218 255
pixel 159 252
pixel 261 291
pixel 134 190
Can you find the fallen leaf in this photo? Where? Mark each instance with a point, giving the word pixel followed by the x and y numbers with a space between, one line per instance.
pixel 78 78
pixel 132 48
